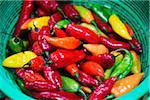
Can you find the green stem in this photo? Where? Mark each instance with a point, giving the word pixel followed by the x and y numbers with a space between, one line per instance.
pixel 83 94
pixel 94 23
pixel 77 76
pixel 110 97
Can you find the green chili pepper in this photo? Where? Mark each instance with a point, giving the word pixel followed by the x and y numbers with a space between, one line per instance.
pixel 118 60
pixel 98 10
pixel 124 65
pixel 15 44
pixel 71 85
pixel 94 29
pixel 21 85
pixel 62 24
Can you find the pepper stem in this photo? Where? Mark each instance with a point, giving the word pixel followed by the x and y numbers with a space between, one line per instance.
pixel 35 28
pixel 110 97
pixel 94 23
pixel 49 62
pixel 83 94
pixel 77 76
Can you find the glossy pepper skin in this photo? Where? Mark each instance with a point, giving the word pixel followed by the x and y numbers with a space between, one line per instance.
pixel 102 25
pixel 42 12
pixel 60 33
pixel 52 76
pixel 27 8
pixel 82 33
pixel 36 48
pixel 119 27
pixel 131 32
pixel 105 60
pixel 15 44
pixel 65 42
pixel 54 19
pixel 62 24
pixel 73 70
pixel 103 89
pixel 137 46
pixel 62 57
pixel 71 12
pixel 125 85
pixel 56 95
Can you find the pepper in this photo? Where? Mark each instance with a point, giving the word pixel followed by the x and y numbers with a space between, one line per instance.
pixel 21 85
pixel 37 63
pixel 40 86
pixel 96 49
pixel 24 26
pixel 36 48
pixel 65 42
pixel 62 24
pixel 61 95
pixel 125 66
pixel 54 19
pixel 62 57
pixel 102 25
pixel 119 27
pixel 92 68
pixel 113 44
pixel 105 60
pixel 94 29
pixel 118 60
pixel 71 85
pixel 18 60
pixel 34 34
pixel 125 85
pixel 103 89
pixel 71 12
pixel 42 12
pixel 136 68
pixel 60 33
pixel 16 44
pixel 129 29
pixel 137 46
pixel 27 8
pixel 52 76
pixel 82 33
pixel 86 89
pixel 29 75
pixel 98 10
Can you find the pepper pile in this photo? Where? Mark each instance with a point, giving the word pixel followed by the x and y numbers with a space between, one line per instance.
pixel 71 52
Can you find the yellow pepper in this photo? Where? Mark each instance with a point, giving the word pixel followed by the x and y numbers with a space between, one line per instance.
pixel 119 27
pixel 19 60
pixel 39 22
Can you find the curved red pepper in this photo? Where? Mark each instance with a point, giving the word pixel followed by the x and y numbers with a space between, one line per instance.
pixel 27 8
pixel 62 57
pixel 105 60
pixel 82 33
pixel 71 13
pixel 60 33
pixel 42 12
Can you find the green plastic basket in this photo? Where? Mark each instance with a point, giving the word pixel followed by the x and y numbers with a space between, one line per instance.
pixel 136 13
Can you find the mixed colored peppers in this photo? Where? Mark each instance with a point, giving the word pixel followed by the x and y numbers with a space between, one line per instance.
pixel 72 52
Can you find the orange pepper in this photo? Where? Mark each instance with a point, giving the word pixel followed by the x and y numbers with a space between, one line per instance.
pixel 130 31
pixel 125 85
pixel 72 69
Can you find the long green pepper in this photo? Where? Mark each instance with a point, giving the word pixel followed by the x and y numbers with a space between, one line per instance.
pixel 62 24
pixel 125 65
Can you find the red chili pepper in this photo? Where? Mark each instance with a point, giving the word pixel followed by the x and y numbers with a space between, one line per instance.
pixel 27 8
pixel 103 89
pixel 53 76
pixel 105 60
pixel 60 33
pixel 71 13
pixel 37 63
pixel 36 48
pixel 82 33
pixel 62 57
pixel 29 75
pixel 72 69
pixel 137 46
pixel 50 6
pixel 45 31
pixel 113 44
pixel 42 12
pixel 34 35
pixel 102 25
pixel 92 68
pixel 86 79
pixel 131 32
pixel 57 95
pixel 54 18
pixel 40 86
pixel 114 36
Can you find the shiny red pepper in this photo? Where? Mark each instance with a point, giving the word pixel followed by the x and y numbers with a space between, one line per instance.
pixel 103 89
pixel 50 6
pixel 105 60
pixel 37 63
pixel 34 35
pixel 45 31
pixel 27 8
pixel 40 86
pixel 82 33
pixel 60 33
pixel 102 25
pixel 137 46
pixel 36 48
pixel 42 12
pixel 62 57
pixel 54 18
pixel 71 13
pixel 52 76
pixel 57 95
